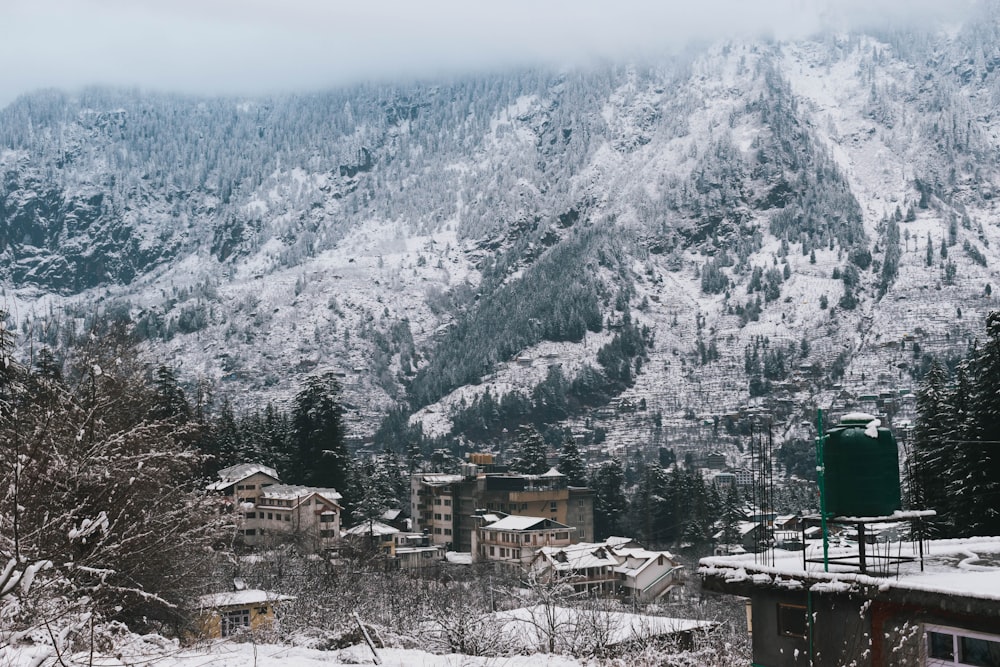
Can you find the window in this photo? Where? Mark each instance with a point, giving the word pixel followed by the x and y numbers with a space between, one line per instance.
pixel 447 502
pixel 493 551
pixel 437 501
pixel 447 531
pixel 251 515
pixel 437 517
pixel 270 516
pixel 250 531
pixel 235 621
pixel 326 518
pixel 288 517
pixel 437 531
pixel 553 507
pixel 952 646
pixel 791 620
pixel 447 517
pixel 524 506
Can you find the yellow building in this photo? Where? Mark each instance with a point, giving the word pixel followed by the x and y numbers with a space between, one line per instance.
pixel 237 612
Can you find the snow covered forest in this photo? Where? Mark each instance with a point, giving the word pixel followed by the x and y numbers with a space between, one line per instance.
pixel 823 206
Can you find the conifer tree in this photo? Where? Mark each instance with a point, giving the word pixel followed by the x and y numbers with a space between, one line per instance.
pixel 610 504
pixel 983 481
pixel 319 455
pixel 571 461
pixel 530 452
pixel 929 469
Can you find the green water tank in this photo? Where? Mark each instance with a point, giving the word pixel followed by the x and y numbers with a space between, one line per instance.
pixel 862 468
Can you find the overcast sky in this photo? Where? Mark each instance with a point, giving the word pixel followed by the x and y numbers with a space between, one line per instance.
pixel 261 46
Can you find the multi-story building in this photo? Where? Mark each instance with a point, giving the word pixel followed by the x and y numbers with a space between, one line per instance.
pixel 617 566
pixel 513 540
pixel 269 511
pixel 444 505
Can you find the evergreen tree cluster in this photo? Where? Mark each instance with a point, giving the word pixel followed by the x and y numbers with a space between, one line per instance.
pixel 673 506
pixel 557 298
pixel 955 467
pixel 558 397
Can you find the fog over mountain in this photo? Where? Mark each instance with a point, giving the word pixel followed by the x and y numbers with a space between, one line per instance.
pixel 258 47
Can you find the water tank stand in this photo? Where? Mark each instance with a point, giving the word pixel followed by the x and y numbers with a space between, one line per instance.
pixel 861 559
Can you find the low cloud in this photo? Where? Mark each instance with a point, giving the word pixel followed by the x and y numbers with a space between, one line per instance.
pixel 260 46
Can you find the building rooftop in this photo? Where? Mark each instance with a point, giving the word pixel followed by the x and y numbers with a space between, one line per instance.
pixel 440 479
pixel 371 528
pixel 524 523
pixel 297 492
pixel 238 473
pixel 965 568
pixel 240 598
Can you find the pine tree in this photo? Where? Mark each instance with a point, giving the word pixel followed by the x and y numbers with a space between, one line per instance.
pixel 571 461
pixel 651 509
pixel 170 400
pixel 962 465
pixel 319 455
pixel 530 452
pixel 610 504
pixel 984 459
pixel 929 470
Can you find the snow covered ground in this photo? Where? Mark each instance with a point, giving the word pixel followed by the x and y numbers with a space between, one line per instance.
pixel 162 653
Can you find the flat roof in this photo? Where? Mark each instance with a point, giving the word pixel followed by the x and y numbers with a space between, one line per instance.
pixel 964 567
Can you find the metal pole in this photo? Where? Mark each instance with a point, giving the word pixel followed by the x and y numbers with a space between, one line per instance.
pixel 821 477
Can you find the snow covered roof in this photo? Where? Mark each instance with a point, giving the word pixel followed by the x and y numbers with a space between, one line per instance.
pixel 240 598
pixel 577 556
pixel 238 473
pixel 616 541
pixel 440 479
pixel 391 515
pixel 635 561
pixel 966 568
pixel 524 523
pixel 552 472
pixel 372 528
pixel 521 624
pixel 459 557
pixel 298 492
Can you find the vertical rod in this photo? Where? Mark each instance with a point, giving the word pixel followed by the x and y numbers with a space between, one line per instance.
pixel 861 548
pixel 821 477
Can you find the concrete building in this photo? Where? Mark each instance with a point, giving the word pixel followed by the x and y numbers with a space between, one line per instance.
pixel 513 540
pixel 444 505
pixel 939 609
pixel 268 511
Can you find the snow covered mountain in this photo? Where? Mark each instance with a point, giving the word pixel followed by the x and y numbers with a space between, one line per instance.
pixel 797 224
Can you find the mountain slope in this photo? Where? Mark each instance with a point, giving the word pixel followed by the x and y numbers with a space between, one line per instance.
pixel 764 209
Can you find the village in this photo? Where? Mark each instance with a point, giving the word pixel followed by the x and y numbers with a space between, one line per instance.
pixel 870 565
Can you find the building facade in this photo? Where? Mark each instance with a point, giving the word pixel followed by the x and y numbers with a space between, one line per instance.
pixel 268 512
pixel 445 505
pixel 513 540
